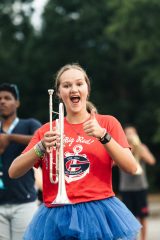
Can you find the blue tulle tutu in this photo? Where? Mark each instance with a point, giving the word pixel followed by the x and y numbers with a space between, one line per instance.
pixel 107 219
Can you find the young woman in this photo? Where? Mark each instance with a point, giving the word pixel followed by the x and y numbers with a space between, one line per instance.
pixel 91 143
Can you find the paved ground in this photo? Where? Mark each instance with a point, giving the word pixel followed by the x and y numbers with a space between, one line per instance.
pixel 154 218
pixel 153 228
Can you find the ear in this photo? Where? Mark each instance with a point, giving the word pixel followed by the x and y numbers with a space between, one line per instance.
pixel 17 103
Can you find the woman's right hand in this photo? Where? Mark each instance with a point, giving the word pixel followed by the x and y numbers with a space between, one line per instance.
pixel 51 140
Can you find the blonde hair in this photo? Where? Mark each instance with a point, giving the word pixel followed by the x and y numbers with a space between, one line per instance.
pixel 68 67
pixel 90 106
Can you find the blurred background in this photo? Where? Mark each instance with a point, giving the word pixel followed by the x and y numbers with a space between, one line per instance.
pixel 117 42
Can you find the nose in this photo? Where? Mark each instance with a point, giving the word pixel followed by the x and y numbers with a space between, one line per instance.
pixel 74 88
pixel 2 100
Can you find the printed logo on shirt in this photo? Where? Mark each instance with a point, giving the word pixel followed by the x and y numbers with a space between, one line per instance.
pixel 79 140
pixel 77 165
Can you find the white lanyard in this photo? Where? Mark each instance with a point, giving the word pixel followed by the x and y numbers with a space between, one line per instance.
pixel 12 126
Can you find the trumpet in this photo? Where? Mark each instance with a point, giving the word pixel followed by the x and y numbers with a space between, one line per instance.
pixel 59 176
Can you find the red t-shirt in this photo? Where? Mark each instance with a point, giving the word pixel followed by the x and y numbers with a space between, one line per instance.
pixel 88 166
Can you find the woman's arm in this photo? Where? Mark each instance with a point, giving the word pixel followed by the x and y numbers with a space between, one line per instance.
pixel 23 163
pixel 121 156
pixel 146 155
pixel 5 140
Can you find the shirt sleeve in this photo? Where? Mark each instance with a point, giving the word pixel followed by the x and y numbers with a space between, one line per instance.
pixel 38 135
pixel 35 139
pixel 115 129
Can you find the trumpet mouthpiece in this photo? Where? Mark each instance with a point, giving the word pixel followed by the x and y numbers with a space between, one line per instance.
pixel 50 91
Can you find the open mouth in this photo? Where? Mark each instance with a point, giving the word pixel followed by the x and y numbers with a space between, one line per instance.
pixel 75 99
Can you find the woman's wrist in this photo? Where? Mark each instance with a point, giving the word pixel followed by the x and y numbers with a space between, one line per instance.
pixel 105 138
pixel 103 134
pixel 39 149
pixel 43 144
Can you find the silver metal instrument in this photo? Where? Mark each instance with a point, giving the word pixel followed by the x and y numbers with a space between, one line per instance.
pixel 53 176
pixel 59 176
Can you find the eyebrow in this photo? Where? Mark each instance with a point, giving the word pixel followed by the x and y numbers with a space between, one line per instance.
pixel 79 79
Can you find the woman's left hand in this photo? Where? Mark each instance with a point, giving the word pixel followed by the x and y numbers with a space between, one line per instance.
pixel 92 127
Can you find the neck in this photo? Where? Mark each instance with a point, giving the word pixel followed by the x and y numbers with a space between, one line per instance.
pixel 77 117
pixel 6 122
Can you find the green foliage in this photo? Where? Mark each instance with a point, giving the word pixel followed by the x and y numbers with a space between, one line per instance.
pixel 15 30
pixel 134 33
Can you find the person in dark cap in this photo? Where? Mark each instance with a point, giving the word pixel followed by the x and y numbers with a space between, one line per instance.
pixel 17 197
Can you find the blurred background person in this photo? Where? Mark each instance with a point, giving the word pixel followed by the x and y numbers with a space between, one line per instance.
pixel 38 184
pixel 133 188
pixel 17 197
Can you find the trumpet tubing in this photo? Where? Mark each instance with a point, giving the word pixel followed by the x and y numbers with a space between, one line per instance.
pixel 59 176
pixel 53 176
pixel 61 197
